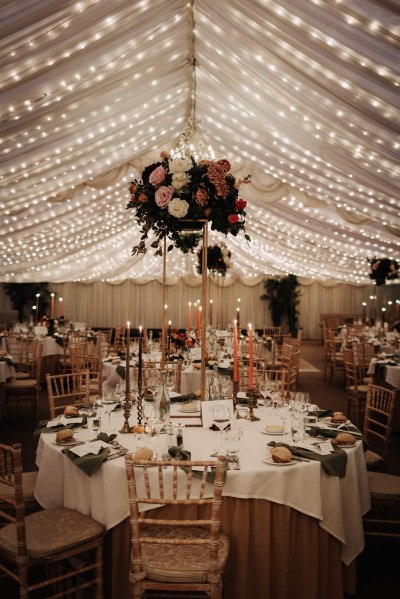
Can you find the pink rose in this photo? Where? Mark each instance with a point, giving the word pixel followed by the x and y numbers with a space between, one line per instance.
pixel 233 218
pixel 157 176
pixel 163 196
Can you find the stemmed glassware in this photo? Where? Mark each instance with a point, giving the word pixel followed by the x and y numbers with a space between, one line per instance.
pixel 109 403
pixel 242 420
pixel 221 418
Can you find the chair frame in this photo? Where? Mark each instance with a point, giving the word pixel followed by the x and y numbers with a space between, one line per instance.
pixel 378 421
pixel 355 389
pixel 163 487
pixel 67 389
pixel 16 565
pixel 27 389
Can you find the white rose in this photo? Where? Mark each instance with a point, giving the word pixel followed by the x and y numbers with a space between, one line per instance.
pixel 179 180
pixel 180 165
pixel 178 208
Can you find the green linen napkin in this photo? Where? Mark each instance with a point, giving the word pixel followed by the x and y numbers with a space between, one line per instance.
pixel 7 360
pixel 324 413
pixel 185 398
pixel 316 431
pixel 178 453
pixel 121 371
pixel 90 463
pixel 333 463
pixel 43 428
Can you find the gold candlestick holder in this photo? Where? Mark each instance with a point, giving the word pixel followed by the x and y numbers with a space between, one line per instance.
pixel 127 412
pixel 252 405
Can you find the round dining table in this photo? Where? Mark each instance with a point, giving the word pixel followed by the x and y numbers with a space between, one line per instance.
pixel 294 531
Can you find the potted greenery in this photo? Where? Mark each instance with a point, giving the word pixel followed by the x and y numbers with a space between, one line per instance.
pixel 283 298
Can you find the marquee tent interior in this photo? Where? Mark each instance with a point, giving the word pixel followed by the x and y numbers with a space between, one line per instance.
pixel 302 95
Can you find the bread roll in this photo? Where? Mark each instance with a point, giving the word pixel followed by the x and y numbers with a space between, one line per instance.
pixel 144 453
pixel 281 454
pixel 71 411
pixel 339 417
pixel 344 439
pixel 64 435
pixel 138 428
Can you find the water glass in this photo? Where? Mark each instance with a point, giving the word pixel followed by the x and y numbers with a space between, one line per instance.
pixel 233 439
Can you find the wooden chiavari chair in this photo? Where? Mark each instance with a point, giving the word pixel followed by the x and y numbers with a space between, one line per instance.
pixel 378 425
pixel 26 390
pixel 193 550
pixel 67 389
pixel 59 537
pixel 356 390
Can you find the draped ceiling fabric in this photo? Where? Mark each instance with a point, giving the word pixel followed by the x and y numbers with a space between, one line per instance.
pixel 301 94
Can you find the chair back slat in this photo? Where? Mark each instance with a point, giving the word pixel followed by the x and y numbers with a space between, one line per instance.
pixel 67 389
pixel 378 420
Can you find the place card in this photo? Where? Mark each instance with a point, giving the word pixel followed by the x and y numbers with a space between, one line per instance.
pixel 92 447
pixel 64 421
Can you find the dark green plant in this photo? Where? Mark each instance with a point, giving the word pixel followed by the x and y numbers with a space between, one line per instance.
pixel 23 297
pixel 283 298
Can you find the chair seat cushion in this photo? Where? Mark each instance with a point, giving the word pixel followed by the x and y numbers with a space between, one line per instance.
pixel 180 563
pixel 22 375
pixel 28 485
pixel 384 487
pixel 21 384
pixel 360 388
pixel 372 459
pixel 49 532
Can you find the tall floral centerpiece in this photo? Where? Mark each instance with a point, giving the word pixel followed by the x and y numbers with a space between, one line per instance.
pixel 218 259
pixel 383 269
pixel 178 189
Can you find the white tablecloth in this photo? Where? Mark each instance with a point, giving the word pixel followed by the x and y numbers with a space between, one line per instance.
pixel 6 371
pixel 392 373
pixel 337 503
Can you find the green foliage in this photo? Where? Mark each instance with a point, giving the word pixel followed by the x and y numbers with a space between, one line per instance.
pixel 283 298
pixel 23 297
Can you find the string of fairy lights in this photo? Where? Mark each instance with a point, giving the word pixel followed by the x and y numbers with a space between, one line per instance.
pixel 91 91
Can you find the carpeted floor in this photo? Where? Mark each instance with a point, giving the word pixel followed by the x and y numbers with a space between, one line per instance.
pixel 377 567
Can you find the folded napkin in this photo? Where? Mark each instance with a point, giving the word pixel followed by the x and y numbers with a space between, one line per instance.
pixel 185 398
pixel 214 427
pixel 333 463
pixel 43 428
pixel 178 453
pixel 324 413
pixel 328 433
pixel 89 463
pixel 7 360
pixel 121 371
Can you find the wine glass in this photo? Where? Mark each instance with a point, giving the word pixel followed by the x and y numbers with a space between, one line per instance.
pixel 265 390
pixel 242 420
pixel 221 418
pixel 109 403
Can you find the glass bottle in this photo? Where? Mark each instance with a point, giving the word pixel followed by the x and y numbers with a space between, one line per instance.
pixel 215 387
pixel 162 402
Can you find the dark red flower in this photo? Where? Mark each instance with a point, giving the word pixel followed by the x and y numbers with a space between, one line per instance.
pixel 241 204
pixel 233 219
